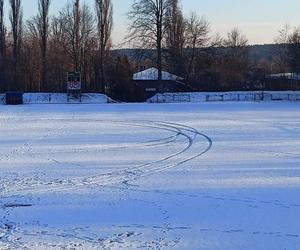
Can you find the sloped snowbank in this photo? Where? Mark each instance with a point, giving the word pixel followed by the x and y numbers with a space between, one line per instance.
pixel 226 96
pixel 59 98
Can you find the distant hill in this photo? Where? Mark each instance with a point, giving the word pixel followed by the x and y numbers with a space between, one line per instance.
pixel 256 52
pixel 259 52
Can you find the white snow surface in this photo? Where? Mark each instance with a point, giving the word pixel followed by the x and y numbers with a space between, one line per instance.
pixel 163 176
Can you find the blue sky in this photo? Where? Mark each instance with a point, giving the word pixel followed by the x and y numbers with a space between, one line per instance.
pixel 259 20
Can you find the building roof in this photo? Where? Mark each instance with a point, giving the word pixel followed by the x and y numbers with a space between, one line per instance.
pixel 151 74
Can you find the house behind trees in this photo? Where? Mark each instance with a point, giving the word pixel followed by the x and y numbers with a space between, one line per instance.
pixel 148 84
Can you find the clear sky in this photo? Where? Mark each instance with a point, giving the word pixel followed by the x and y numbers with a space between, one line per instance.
pixel 259 20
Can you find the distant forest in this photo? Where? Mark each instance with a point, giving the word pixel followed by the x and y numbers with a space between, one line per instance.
pixel 36 54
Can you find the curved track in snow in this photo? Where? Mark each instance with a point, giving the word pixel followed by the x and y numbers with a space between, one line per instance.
pixel 191 143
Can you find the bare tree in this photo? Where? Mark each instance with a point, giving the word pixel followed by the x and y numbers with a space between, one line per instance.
pixel 87 43
pixel 58 59
pixel 281 54
pixel 196 38
pixel 16 21
pixel 76 15
pixel 2 27
pixel 2 46
pixel 70 40
pixel 38 29
pixel 294 50
pixel 70 21
pixel 175 36
pixel 31 57
pixel 235 40
pixel 236 58
pixel 104 15
pixel 43 28
pixel 215 54
pixel 77 43
pixel 148 25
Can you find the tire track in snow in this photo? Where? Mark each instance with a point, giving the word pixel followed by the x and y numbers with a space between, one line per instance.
pixel 188 134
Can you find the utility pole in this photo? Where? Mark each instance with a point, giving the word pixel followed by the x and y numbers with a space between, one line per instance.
pixel 77 34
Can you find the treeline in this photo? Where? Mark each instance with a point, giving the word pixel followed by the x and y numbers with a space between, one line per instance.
pixel 36 54
pixel 186 47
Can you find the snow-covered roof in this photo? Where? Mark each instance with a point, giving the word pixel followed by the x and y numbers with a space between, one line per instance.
pixel 290 76
pixel 151 74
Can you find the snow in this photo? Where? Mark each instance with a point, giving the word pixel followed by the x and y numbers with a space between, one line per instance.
pixel 152 75
pixel 213 175
pixel 236 96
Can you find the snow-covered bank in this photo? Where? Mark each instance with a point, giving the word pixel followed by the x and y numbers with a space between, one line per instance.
pixel 226 96
pixel 59 98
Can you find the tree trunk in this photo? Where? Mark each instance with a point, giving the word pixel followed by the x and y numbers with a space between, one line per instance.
pixel 102 72
pixel 159 62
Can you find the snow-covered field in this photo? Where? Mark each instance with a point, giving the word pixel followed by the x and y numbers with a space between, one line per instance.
pixel 150 176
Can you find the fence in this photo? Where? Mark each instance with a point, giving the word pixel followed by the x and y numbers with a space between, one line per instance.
pixel 251 96
pixel 58 98
pixel 165 98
